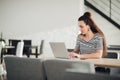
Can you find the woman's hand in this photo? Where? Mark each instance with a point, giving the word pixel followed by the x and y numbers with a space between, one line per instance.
pixel 73 55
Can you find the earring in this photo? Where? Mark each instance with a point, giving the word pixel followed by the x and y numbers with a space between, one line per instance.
pixel 88 29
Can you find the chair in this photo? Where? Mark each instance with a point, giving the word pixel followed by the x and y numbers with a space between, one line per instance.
pixel 19 49
pixel 113 71
pixel 113 55
pixel 20 68
pixel 26 49
pixel 56 68
pixel 12 42
pixel 40 49
pixel 41 46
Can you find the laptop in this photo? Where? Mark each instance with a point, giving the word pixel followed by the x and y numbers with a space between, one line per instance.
pixel 59 50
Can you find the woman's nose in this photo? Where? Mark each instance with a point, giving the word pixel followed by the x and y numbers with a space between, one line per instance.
pixel 80 29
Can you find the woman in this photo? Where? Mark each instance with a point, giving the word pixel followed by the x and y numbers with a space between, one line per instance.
pixel 91 42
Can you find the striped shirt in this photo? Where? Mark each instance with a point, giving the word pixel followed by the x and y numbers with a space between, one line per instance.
pixel 88 47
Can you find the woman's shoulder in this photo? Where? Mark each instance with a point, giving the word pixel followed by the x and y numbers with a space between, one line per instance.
pixel 80 37
pixel 97 36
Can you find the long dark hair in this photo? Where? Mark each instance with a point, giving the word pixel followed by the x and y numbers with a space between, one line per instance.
pixel 95 29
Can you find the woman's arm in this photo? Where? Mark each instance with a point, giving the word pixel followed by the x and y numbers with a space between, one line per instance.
pixel 76 51
pixel 71 54
pixel 97 55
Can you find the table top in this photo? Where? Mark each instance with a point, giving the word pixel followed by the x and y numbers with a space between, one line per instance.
pixel 105 62
pixel 9 46
pixel 114 47
pixel 31 46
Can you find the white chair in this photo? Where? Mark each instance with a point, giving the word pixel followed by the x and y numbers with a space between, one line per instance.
pixel 56 68
pixel 19 49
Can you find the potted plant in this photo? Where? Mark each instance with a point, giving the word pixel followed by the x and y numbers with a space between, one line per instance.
pixel 1 37
pixel 3 43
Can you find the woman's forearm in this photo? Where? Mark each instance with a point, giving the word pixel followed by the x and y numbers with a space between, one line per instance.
pixel 92 55
pixel 76 51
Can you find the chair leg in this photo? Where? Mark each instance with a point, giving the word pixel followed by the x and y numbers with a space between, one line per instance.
pixel 28 55
pixel 36 51
pixel 1 77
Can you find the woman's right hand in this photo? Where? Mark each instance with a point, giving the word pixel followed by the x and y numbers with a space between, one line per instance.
pixel 73 55
pixel 70 54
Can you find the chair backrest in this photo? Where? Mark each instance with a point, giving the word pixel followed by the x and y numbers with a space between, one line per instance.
pixel 41 46
pixel 113 55
pixel 19 50
pixel 12 42
pixel 26 50
pixel 19 68
pixel 27 42
pixel 56 68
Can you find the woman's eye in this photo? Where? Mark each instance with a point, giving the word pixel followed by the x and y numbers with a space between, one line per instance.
pixel 81 26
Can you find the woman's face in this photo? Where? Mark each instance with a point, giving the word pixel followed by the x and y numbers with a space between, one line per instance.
pixel 83 27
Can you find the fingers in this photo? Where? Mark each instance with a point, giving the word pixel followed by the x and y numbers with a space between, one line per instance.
pixel 72 55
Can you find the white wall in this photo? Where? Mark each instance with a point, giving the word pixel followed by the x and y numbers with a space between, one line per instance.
pixel 110 31
pixel 51 20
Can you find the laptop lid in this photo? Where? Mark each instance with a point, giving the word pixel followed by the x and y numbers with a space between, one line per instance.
pixel 59 49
